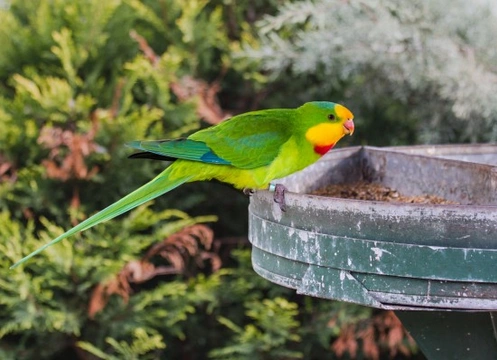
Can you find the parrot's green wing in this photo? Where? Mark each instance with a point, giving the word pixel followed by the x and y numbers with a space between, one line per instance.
pixel 170 150
pixel 245 141
pixel 250 140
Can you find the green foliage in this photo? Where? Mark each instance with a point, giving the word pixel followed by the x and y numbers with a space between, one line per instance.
pixel 51 296
pixel 85 73
pixel 274 326
pixel 140 347
pixel 416 71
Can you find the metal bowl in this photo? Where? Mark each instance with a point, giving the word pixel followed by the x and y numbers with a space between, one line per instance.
pixel 386 255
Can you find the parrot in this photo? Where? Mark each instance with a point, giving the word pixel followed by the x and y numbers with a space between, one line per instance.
pixel 249 151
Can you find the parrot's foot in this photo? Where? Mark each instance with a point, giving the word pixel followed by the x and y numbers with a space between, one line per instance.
pixel 248 191
pixel 279 195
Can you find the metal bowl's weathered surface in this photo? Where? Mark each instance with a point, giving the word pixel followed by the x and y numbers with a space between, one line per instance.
pixel 476 153
pixel 386 255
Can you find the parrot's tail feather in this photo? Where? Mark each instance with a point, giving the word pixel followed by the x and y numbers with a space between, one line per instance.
pixel 154 188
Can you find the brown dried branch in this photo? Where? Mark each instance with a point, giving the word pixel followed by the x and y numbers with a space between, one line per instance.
pixel 114 109
pixel 134 272
pixel 383 331
pixel 370 345
pixel 177 249
pixel 392 333
pixel 4 167
pixel 346 343
pixel 145 47
pixel 185 244
pixel 7 171
pixel 208 107
pixel 188 88
pixel 68 150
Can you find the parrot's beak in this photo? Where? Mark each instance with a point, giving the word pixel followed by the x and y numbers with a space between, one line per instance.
pixel 348 127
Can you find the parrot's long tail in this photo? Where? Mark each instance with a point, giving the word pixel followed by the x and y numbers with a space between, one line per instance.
pixel 154 188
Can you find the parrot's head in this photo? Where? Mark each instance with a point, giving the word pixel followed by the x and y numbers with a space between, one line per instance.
pixel 326 123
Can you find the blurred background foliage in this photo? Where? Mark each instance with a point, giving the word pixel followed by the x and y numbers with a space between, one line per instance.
pixel 173 279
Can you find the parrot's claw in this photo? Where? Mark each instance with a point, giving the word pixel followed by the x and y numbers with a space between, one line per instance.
pixel 248 191
pixel 279 195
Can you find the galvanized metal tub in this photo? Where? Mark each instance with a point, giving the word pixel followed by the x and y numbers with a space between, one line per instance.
pixel 387 255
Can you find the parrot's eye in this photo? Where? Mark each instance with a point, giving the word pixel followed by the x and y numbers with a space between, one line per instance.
pixel 331 117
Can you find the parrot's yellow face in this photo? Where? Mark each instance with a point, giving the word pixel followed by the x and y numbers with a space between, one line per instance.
pixel 334 124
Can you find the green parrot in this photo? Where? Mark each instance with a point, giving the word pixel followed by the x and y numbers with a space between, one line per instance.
pixel 248 151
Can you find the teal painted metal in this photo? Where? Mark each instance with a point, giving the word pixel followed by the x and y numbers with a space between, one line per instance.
pixel 440 259
pixel 453 335
pixel 374 256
